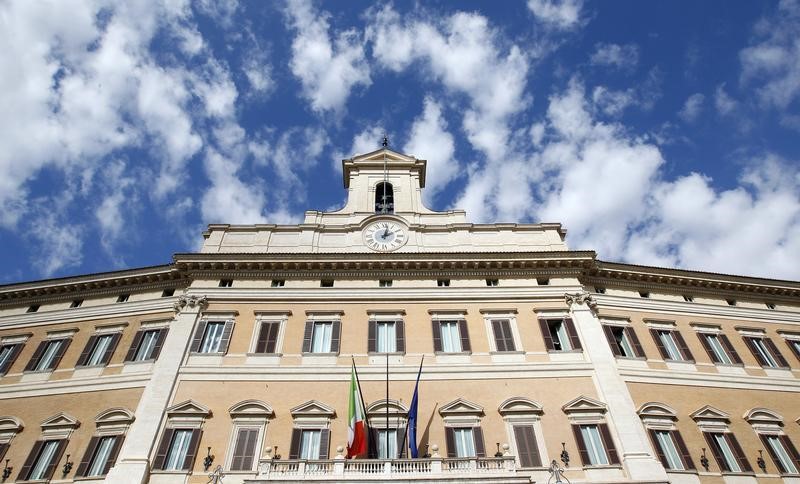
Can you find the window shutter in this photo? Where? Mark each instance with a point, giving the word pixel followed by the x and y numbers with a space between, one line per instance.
pixel 3 450
pixel 687 355
pixel 272 337
pixel 294 446
pixel 437 336
pixel 749 342
pixel 737 449
pixel 264 333
pixel 771 453
pixel 499 336
pixel 576 431
pixel 112 457
pixel 324 443
pixel 191 452
pixel 62 349
pixel 372 450
pixel 729 348
pixel 527 449
pixel 37 355
pixel 715 450
pixel 307 336
pixel 26 467
pixel 400 336
pixel 162 336
pixel 661 350
pixel 790 448
pixel 707 346
pixel 87 350
pixel 244 450
pixel 450 440
pixel 336 335
pixel 480 447
pixel 462 330
pixel 776 354
pixel 226 337
pixel 51 467
pixel 163 449
pixel 548 338
pixel 608 443
pixel 612 341
pixel 659 451
pixel 137 340
pixel 793 348
pixel 198 336
pixel 372 330
pixel 11 358
pixel 637 345
pixel 112 346
pixel 402 448
pixel 87 457
pixel 574 341
pixel 688 463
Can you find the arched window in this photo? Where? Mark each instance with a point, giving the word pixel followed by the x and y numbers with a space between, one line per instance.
pixel 384 198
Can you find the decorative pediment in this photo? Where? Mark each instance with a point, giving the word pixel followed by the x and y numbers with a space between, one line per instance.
pixel 61 421
pixel 10 424
pixel 657 410
pixel 763 416
pixel 313 408
pixel 709 413
pixel 461 406
pixel 378 155
pixel 584 404
pixel 519 406
pixel 251 408
pixel 189 408
pixel 375 160
pixel 115 416
pixel 380 407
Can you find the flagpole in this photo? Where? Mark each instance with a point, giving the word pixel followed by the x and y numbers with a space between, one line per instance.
pixel 387 404
pixel 416 387
pixel 363 402
pixel 405 434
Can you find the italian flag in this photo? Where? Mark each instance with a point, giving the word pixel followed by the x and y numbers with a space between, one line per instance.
pixel 357 425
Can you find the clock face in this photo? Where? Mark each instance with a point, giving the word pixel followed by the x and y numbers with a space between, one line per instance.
pixel 385 236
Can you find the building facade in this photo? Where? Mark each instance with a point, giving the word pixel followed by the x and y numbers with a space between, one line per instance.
pixel 236 360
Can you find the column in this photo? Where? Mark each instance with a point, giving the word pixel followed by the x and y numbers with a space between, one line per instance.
pixel 632 439
pixel 133 466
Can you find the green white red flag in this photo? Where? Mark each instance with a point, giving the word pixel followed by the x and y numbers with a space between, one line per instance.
pixel 356 422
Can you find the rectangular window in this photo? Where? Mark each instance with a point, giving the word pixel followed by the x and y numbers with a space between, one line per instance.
pixel 8 354
pixel 97 352
pixel 443 282
pixel 326 283
pixel 244 450
pixel 783 453
pixel 719 349
pixel 278 283
pixel 464 442
pixel 33 308
pixel 310 444
pixel 385 338
pixel 559 334
pixel 688 298
pixel 672 458
pixel 451 337
pixel 671 345
pixel 212 337
pixel 527 448
pixel 542 281
pixel 168 292
pixel 146 349
pixel 98 464
pixel 385 283
pixel 623 341
pixel 600 290
pixel 178 450
pixel 503 338
pixel 123 298
pixel 267 341
pixel 76 303
pixel 794 345
pixel 492 282
pixel 765 352
pixel 727 452
pixel 45 461
pixel 594 445
pixel 387 443
pixel 321 339
pixel 226 283
pixel 48 359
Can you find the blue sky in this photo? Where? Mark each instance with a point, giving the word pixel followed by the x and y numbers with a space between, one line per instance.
pixel 658 133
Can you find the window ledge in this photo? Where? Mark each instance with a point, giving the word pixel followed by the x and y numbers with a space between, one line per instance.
pixel 565 351
pixel 606 466
pixel 265 354
pixel 682 471
pixel 382 353
pixel 515 352
pixel 454 353
pixel 311 354
pixel 170 472
pixel 728 473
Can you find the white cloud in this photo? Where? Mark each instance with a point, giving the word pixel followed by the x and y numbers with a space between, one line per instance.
pixel 367 141
pixel 229 199
pixel 328 69
pixel 613 103
pixel 559 14
pixel 723 102
pixel 692 107
pixel 430 139
pixel 618 56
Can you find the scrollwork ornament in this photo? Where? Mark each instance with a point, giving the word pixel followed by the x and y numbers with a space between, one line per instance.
pixel 183 302
pixel 581 298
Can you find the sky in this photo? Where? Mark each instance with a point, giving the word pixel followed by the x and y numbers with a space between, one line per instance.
pixel 657 133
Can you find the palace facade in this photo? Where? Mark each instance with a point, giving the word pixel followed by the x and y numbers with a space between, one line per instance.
pixel 235 361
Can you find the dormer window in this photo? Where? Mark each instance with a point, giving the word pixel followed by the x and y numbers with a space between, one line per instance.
pixel 384 198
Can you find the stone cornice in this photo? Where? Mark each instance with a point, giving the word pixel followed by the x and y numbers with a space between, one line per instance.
pixel 350 227
pixel 89 313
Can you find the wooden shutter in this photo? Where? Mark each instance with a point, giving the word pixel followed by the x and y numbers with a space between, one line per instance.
pixel 163 448
pixel 402 443
pixel 715 450
pixel 62 349
pixel 527 449
pixel 464 333
pixel 324 443
pixel 450 440
pixel 15 351
pixel 197 340
pixel 30 460
pixel 775 353
pixel 336 336
pixel 372 332
pixel 686 457
pixel 771 453
pixel 83 467
pixel 3 450
pixel 191 452
pixel 37 355
pixel 51 466
pixel 244 450
pixel 707 346
pixel 87 350
pixel 137 340
pixel 437 336
pixel 268 337
pixel 662 351
pixel 162 337
pixel 608 443
pixel 793 348
pixel 576 431
pixel 657 446
pixel 612 341
pixel 548 338
pixel 637 345
pixel 309 331
pixel 729 348
pixel 750 344
pixel 226 337
pixel 574 341
pixel 294 446
pixel 372 450
pixel 790 448
pixel 503 338
pixel 112 346
pixel 112 457
pixel 400 336
pixel 687 355
pixel 480 446
pixel 737 449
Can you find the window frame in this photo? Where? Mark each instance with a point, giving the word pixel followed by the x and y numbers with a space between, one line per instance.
pixel 312 318
pixel 524 412
pixel 584 411
pixel 463 414
pixel 630 336
pixel 510 316
pixel 228 319
pixel 706 333
pixel 113 333
pixel 375 319
pixel 311 415
pixel 189 416
pixel 65 339
pixel 570 330
pixel 281 318
pixel 115 423
pixel 58 428
pixel 760 344
pixel 460 320
pixel 248 415
pixel 659 417
pixel 677 339
pixel 713 421
pixel 376 414
pixel 769 424
pixel 136 344
pixel 17 344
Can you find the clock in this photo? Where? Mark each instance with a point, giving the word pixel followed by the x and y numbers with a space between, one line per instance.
pixel 385 235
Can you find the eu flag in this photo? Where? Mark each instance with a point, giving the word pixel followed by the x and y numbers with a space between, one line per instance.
pixel 412 418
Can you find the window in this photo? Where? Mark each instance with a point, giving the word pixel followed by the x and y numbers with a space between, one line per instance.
pixel 443 282
pixel 527 448
pixel 278 283
pixel 559 334
pixel 688 298
pixel 671 450
pixel 794 345
pixel 600 290
pixel 492 282
pixel 326 283
pixel 384 198
pixel 464 442
pixel 100 456
pixel 671 345
pixel 765 352
pixel 8 354
pixel 623 341
pixel 244 451
pixel 48 355
pixel 249 423
pixel 226 283
pixel 727 452
pixel 783 453
pixel 310 444
pixel 450 336
pixel 146 344
pixel 543 281
pixel 719 349
pixel 179 451
pixel 267 341
pixel 386 336
pixel 770 305
pixel 33 308
pixel 76 303
pixel 123 298
pixel 387 443
pixel 212 336
pixel 644 294
pixel 42 461
pixel 385 283
pixel 731 302
pixel 168 292
pixel 98 349
pixel 321 337
pixel 503 337
pixel 595 445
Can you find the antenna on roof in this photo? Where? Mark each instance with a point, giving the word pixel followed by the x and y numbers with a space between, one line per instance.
pixel 385 142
